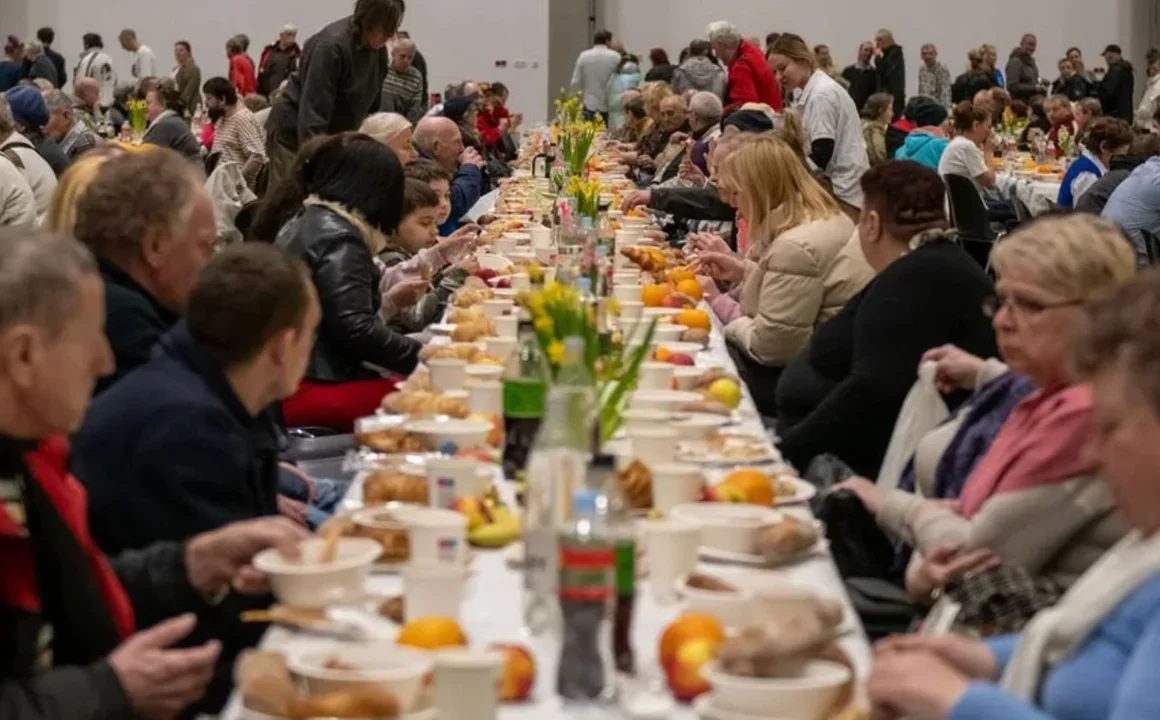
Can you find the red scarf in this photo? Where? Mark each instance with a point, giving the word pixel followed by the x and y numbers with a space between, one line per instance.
pixel 48 467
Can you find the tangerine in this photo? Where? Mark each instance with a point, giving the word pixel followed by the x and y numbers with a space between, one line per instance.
pixel 756 486
pixel 697 319
pixel 690 626
pixel 653 295
pixel 432 633
pixel 691 288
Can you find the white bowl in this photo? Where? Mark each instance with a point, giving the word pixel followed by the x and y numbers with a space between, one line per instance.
pixel 662 399
pixel 677 347
pixel 650 312
pixel 732 527
pixel 808 697
pixel 675 484
pixel 626 292
pixel 488 261
pixel 732 609
pixel 397 669
pixel 630 309
pixel 484 373
pixel 686 376
pixel 638 418
pixel 307 583
pixel 667 333
pixel 449 436
pixel 436 535
pixel 699 426
pixel 505 293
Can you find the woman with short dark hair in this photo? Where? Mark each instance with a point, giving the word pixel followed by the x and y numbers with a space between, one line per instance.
pixel 662 69
pixel 354 199
pixel 877 114
pixel 842 394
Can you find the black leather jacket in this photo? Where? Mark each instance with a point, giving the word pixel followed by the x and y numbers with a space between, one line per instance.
pixel 352 333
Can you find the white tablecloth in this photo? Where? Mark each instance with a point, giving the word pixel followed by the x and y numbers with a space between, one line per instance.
pixel 492 608
pixel 1035 194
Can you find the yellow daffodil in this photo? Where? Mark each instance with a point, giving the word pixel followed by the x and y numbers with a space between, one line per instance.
pixel 556 352
pixel 543 325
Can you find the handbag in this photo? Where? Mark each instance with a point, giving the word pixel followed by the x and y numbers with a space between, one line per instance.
pixel 922 411
pixel 994 602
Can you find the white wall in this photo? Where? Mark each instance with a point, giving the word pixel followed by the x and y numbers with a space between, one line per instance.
pixel 460 38
pixel 954 27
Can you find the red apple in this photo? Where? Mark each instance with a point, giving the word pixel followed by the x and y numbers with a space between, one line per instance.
pixel 519 672
pixel 681 359
pixel 684 673
pixel 485 274
pixel 503 284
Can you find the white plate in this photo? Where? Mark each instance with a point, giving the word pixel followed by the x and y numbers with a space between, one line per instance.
pixel 804 491
pixel 491 261
pixel 697 451
pixel 678 347
pixel 441 328
pixel 758 561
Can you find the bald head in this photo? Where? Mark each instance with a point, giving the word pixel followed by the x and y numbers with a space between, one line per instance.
pixel 440 139
pixel 88 91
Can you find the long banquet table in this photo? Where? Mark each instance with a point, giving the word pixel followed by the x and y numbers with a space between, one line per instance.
pixel 492 607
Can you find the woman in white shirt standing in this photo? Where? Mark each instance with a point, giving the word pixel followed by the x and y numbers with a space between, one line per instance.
pixel 829 117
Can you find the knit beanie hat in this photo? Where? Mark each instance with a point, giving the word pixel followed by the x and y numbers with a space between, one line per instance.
pixel 455 108
pixel 28 107
pixel 748 121
pixel 928 114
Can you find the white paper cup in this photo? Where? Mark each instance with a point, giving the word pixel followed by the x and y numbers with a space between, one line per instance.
pixel 674 484
pixel 627 237
pixel 433 589
pixel 653 446
pixel 541 237
pixel 503 246
pixel 631 309
pixel 435 535
pixel 500 348
pixel 448 374
pixel 550 273
pixel 507 326
pixel 450 478
pixel 497 308
pixel 672 547
pixel 656 376
pixel 520 281
pixel 626 293
pixel 485 397
pixel 626 278
pixel 465 684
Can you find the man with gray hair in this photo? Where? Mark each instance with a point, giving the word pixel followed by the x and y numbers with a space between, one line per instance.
pixel 750 79
pixel 403 86
pixel 67 128
pixel 40 65
pixel 890 64
pixel 704 123
pixel 278 61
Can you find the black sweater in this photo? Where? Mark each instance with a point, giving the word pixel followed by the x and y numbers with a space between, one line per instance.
pixel 842 395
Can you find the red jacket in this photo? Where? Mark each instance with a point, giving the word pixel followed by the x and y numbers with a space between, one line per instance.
pixel 242 75
pixel 488 125
pixel 751 80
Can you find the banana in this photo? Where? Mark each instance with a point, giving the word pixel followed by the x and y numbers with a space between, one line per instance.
pixel 505 530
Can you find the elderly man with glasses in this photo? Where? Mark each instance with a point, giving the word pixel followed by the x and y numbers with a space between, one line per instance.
pixel 704 124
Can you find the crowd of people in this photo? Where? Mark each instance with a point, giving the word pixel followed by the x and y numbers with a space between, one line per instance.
pixel 816 204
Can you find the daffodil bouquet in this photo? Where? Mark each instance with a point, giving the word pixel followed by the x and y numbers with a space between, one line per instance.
pixel 576 142
pixel 569 109
pixel 587 194
pixel 137 119
pixel 558 313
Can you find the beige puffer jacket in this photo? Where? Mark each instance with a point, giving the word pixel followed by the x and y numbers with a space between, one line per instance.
pixel 803 278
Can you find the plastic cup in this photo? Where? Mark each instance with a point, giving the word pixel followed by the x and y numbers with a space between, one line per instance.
pixel 675 484
pixel 520 281
pixel 626 293
pixel 465 684
pixel 653 446
pixel 497 308
pixel 507 326
pixel 500 348
pixel 448 374
pixel 433 589
pixel 672 553
pixel 656 376
pixel 631 309
pixel 435 535
pixel 450 478
pixel 485 397
pixel 541 236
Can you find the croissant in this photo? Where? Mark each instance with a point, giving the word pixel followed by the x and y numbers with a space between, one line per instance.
pixel 472 330
pixel 636 485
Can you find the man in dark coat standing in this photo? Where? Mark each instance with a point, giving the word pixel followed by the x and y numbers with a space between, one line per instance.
pixel 891 67
pixel 1115 90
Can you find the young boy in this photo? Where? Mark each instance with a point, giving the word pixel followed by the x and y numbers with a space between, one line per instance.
pixel 438 179
pixel 418 235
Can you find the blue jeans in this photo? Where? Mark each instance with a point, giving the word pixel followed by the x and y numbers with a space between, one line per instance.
pixel 328 493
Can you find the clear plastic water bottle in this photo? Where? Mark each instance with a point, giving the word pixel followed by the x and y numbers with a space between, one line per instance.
pixel 585 675
pixel 556 467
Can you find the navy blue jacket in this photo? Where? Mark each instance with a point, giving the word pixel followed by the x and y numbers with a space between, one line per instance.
pixel 169 452
pixel 134 322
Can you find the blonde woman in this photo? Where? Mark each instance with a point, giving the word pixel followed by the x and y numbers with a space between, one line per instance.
pixel 829 117
pixel 991 58
pixel 394 131
pixel 1033 500
pixel 804 261
pixel 62 209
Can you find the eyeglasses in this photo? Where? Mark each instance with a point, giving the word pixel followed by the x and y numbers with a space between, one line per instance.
pixel 1021 306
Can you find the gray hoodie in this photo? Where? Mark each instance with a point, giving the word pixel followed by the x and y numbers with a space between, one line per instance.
pixel 1022 75
pixel 699 73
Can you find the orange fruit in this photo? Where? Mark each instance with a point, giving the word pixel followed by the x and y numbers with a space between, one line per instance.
pixel 653 295
pixel 690 626
pixel 662 354
pixel 698 319
pixel 432 633
pixel 690 287
pixel 756 486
